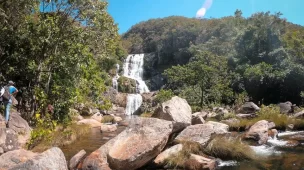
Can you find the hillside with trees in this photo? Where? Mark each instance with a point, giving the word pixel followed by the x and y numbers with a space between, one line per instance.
pixel 58 53
pixel 223 61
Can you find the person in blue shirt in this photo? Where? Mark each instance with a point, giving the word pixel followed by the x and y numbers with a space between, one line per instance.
pixel 12 90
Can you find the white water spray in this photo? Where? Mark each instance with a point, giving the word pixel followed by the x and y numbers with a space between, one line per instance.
pixel 115 78
pixel 133 68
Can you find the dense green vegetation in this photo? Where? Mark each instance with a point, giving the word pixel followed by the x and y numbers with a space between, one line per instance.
pixel 216 61
pixel 57 52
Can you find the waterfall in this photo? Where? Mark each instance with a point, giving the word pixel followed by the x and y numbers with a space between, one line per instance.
pixel 133 68
pixel 133 103
pixel 115 78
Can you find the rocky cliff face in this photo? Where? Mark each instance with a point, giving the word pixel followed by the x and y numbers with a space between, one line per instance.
pixel 153 72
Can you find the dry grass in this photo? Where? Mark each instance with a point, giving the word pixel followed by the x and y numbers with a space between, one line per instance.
pixel 178 160
pixel 108 119
pixel 270 113
pixel 229 148
pixel 146 114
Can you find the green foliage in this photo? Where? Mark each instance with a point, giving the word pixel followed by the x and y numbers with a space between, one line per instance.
pixel 163 95
pixel 44 127
pixel 126 85
pixel 207 74
pixel 261 56
pixel 58 52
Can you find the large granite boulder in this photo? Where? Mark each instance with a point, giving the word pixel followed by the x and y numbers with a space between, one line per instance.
pixel 75 160
pixel 50 159
pixel 8 140
pixel 259 131
pixel 176 110
pixel 12 158
pixel 18 124
pixel 134 147
pixel 248 108
pixel 199 162
pixel 201 133
pixel 286 107
pixel 97 116
pixel 90 122
pixel 161 158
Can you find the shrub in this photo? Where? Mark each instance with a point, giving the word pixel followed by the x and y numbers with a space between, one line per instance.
pixel 108 119
pixel 163 95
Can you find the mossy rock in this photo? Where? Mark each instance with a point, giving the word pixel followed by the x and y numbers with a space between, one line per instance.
pixel 126 85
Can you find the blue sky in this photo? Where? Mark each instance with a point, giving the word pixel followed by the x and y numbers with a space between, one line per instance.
pixel 130 12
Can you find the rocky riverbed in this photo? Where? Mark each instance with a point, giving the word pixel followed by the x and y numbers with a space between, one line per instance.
pixel 173 137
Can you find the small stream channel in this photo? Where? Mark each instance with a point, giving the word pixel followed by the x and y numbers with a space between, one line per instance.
pixel 90 142
pixel 277 154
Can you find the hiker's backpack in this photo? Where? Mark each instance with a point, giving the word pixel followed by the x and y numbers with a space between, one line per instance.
pixel 5 93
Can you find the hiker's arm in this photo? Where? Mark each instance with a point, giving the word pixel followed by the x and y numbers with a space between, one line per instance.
pixel 15 92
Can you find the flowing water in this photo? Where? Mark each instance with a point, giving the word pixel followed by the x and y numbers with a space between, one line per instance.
pixel 115 78
pixel 90 142
pixel 133 68
pixel 278 154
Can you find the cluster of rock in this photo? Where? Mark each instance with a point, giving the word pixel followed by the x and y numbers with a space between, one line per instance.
pixel 95 117
pixel 145 140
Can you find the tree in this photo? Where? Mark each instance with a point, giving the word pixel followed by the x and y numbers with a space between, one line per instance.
pixel 206 71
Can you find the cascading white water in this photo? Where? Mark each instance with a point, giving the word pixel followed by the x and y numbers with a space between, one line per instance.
pixel 133 103
pixel 115 78
pixel 133 68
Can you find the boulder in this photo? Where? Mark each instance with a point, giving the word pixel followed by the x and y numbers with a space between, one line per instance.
pixel 246 116
pixel 220 112
pixel 121 100
pixel 126 85
pixel 286 107
pixel 118 111
pixel 8 140
pixel 97 116
pixel 108 128
pixel 161 158
pixel 199 162
pixel 134 147
pixel 148 97
pixel 201 133
pixel 273 133
pixel 203 114
pixel 90 122
pixel 86 111
pixel 231 121
pixel 220 128
pixel 75 160
pixel 248 108
pixel 259 131
pixel 299 114
pixel 94 111
pixel 12 158
pixel 197 120
pixel 176 110
pixel 117 119
pixel 18 124
pixel 50 159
